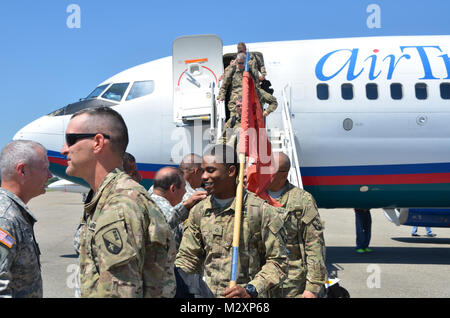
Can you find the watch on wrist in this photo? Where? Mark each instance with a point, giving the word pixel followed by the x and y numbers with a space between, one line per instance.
pixel 251 290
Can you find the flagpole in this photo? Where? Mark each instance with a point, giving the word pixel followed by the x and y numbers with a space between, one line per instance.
pixel 238 206
pixel 237 220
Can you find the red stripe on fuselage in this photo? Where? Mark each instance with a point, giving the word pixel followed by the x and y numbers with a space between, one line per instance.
pixel 147 174
pixel 59 161
pixel 63 162
pixel 421 178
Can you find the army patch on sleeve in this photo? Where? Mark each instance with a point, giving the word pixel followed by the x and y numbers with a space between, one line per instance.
pixel 113 241
pixel 317 224
pixel 6 238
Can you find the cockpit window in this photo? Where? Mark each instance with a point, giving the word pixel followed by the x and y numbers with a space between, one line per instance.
pixel 96 92
pixel 140 89
pixel 116 91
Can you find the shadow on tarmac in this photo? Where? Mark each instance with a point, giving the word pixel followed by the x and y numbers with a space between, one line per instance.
pixel 389 255
pixel 69 256
pixel 424 239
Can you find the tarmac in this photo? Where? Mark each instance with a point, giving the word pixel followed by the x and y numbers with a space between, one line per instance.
pixel 399 266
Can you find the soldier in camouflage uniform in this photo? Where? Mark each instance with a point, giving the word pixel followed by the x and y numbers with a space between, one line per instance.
pixel 168 190
pixel 126 246
pixel 266 98
pixel 207 241
pixel 130 167
pixel 233 81
pixel 255 63
pixel 232 127
pixel 306 246
pixel 24 172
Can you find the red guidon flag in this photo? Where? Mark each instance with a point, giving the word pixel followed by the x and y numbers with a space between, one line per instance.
pixel 254 142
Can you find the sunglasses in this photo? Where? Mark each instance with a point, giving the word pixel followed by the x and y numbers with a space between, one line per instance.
pixel 72 139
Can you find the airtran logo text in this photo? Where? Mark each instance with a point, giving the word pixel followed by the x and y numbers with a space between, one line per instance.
pixel 373 67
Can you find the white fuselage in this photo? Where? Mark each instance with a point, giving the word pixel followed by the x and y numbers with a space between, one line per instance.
pixel 382 151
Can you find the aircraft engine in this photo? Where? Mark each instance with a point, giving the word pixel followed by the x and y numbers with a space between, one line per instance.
pixel 430 217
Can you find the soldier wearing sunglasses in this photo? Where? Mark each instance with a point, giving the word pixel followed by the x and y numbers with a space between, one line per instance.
pixel 126 247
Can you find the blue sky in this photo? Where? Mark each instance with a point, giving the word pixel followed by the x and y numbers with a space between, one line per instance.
pixel 46 65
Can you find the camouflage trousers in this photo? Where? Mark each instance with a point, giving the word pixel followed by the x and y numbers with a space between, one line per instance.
pixel 232 108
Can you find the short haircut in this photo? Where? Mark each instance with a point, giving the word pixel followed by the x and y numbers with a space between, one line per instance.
pixel 242 44
pixel 283 161
pixel 15 152
pixel 191 161
pixel 164 181
pixel 128 158
pixel 241 56
pixel 224 154
pixel 108 121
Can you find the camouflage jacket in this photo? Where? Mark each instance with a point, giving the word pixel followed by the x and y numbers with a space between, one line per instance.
pixel 233 80
pixel 266 98
pixel 256 64
pixel 20 268
pixel 305 243
pixel 207 245
pixel 126 246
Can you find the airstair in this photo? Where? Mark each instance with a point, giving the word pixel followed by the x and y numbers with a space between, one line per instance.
pixel 283 140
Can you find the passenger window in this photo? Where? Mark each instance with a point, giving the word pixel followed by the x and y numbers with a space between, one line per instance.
pixel 347 91
pixel 445 90
pixel 116 91
pixel 372 91
pixel 421 91
pixel 322 91
pixel 396 91
pixel 140 89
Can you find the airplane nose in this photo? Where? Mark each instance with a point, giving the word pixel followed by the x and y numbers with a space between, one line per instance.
pixel 47 130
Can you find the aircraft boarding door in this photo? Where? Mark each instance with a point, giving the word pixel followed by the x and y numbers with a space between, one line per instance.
pixel 197 65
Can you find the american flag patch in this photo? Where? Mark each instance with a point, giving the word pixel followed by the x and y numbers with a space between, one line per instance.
pixel 6 238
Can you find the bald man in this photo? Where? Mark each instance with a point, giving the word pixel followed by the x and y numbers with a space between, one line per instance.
pixel 307 272
pixel 169 188
pixel 191 165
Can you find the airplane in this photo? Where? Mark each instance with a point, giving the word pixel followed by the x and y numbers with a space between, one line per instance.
pixel 67 186
pixel 364 120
